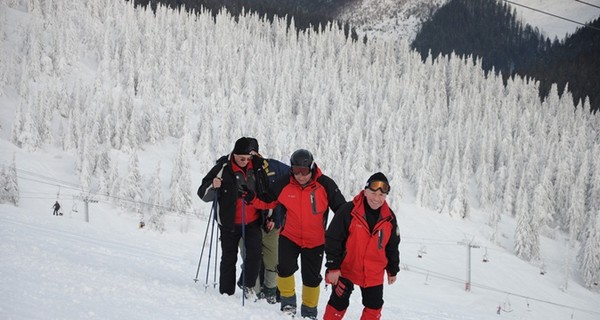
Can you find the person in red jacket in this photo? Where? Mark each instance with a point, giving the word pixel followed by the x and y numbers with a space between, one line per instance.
pixel 361 245
pixel 307 195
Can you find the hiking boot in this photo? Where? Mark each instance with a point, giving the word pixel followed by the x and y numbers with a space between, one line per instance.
pixel 249 293
pixel 308 312
pixel 289 310
pixel 270 294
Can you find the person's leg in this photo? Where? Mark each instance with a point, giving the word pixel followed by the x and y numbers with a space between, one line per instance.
pixel 287 266
pixel 253 253
pixel 372 299
pixel 270 254
pixel 311 261
pixel 229 251
pixel 339 300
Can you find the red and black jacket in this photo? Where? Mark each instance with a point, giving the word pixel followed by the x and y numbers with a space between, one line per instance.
pixel 307 207
pixel 230 203
pixel 363 255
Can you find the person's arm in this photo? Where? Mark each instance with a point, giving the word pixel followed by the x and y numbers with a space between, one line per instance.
pixel 392 252
pixel 336 236
pixel 207 190
pixel 335 198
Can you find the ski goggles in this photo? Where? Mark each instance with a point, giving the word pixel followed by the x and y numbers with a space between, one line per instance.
pixel 304 171
pixel 379 185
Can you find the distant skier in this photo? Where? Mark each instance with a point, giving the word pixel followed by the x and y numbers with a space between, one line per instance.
pixel 56 207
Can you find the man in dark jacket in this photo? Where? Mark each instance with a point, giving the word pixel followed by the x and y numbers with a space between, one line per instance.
pixel 266 172
pixel 361 244
pixel 232 182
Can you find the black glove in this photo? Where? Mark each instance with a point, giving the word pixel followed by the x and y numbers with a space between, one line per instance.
pixel 247 194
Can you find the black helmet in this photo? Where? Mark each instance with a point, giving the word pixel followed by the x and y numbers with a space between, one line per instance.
pixel 302 158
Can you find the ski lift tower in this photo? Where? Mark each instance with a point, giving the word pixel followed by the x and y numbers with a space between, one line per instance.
pixel 86 198
pixel 469 244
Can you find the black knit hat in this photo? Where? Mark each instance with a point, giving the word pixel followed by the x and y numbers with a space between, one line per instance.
pixel 245 145
pixel 377 177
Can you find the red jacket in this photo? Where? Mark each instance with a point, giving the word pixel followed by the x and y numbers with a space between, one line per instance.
pixel 307 207
pixel 361 255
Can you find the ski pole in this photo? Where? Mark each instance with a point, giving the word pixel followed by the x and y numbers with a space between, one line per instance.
pixel 212 209
pixel 209 253
pixel 243 252
pixel 216 256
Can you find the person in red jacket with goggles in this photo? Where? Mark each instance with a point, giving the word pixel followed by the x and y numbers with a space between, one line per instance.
pixel 361 245
pixel 307 195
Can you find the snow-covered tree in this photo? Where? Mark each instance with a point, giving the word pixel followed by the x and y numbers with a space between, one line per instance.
pixel 181 200
pixel 131 188
pixel 527 242
pixel 590 264
pixel 157 211
pixel 11 184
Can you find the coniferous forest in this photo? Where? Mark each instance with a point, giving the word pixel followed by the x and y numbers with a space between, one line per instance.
pixel 105 80
pixel 483 28
pixel 489 29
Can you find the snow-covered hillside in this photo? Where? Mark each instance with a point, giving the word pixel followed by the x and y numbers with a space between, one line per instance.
pixel 389 19
pixel 393 19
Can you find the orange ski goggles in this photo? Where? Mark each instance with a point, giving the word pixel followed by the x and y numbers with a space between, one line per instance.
pixel 379 185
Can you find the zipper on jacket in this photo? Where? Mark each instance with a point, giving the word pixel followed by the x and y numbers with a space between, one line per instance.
pixel 380 240
pixel 313 203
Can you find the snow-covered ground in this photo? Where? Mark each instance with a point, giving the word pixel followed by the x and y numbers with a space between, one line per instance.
pixel 64 268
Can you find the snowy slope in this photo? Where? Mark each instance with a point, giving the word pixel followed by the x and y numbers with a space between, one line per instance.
pixel 64 268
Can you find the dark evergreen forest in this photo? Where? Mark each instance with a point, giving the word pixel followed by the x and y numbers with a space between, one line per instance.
pixel 489 30
pixel 305 13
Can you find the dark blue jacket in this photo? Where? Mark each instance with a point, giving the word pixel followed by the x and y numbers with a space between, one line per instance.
pixel 275 170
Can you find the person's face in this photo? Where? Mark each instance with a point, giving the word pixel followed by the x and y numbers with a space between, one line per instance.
pixel 242 159
pixel 375 199
pixel 302 174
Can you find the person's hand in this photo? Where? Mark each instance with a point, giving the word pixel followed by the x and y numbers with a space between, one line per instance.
pixel 332 276
pixel 246 194
pixel 391 279
pixel 249 195
pixel 216 182
pixel 269 224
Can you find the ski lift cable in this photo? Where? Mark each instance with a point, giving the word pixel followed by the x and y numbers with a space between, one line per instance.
pixel 532 298
pixel 552 14
pixel 48 183
pixel 37 175
pixel 442 276
pixel 589 4
pixel 51 181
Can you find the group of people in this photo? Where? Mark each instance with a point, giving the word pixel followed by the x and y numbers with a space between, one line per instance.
pixel 278 213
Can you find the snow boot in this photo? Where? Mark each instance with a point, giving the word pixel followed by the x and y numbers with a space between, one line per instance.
pixel 332 313
pixel 270 295
pixel 371 314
